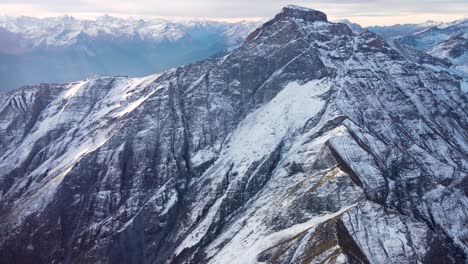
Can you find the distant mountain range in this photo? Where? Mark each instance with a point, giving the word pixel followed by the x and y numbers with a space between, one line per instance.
pixel 442 40
pixel 445 41
pixel 63 49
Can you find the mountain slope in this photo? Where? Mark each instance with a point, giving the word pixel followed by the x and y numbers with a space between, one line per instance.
pixel 434 35
pixel 442 40
pixel 309 143
pixel 74 49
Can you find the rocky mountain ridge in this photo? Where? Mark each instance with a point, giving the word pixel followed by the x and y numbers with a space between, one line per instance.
pixel 447 41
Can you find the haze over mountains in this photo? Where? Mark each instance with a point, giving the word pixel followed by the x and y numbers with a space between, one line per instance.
pixel 64 49
pixel 309 143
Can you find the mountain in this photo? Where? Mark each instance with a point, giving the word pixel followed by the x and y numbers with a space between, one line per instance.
pixel 353 26
pixel 74 49
pixel 449 41
pixel 455 49
pixel 442 40
pixel 402 30
pixel 307 144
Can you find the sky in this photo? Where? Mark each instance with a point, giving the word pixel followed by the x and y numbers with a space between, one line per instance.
pixel 364 12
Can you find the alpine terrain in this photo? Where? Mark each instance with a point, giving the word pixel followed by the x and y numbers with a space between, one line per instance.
pixel 447 41
pixel 74 49
pixel 309 143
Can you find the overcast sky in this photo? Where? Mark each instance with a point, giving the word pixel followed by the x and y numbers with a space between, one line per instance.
pixel 365 12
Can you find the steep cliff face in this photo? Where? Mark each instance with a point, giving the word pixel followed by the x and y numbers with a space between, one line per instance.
pixel 309 143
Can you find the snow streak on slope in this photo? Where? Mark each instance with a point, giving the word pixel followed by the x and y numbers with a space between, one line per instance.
pixel 264 129
pixel 74 88
pixel 86 131
pixel 254 245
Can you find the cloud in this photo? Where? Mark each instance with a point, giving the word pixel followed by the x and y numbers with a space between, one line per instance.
pixel 366 11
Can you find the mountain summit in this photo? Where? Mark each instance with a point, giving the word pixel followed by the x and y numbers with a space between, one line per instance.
pixel 308 144
pixel 301 13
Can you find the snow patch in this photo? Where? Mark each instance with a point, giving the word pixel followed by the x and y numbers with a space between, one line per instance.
pixel 74 88
pixel 132 106
pixel 264 129
pixel 203 156
pixel 259 134
pixel 295 7
pixel 251 248
pixel 464 86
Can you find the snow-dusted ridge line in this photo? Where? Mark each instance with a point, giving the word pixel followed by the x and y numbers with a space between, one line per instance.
pixel 260 132
pixel 88 135
pixel 251 251
pixel 306 9
pixel 66 30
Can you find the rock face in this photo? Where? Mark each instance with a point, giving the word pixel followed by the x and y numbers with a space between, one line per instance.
pixel 308 144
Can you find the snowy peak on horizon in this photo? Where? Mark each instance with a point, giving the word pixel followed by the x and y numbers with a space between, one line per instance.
pixel 443 40
pixel 75 48
pixel 401 30
pixel 65 30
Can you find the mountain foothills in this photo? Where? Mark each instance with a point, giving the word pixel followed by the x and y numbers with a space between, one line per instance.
pixel 309 143
pixel 74 49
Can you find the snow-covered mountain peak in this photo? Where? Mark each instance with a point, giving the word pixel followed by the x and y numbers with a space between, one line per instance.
pixel 297 12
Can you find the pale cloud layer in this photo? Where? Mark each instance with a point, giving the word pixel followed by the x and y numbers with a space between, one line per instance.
pixel 365 12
